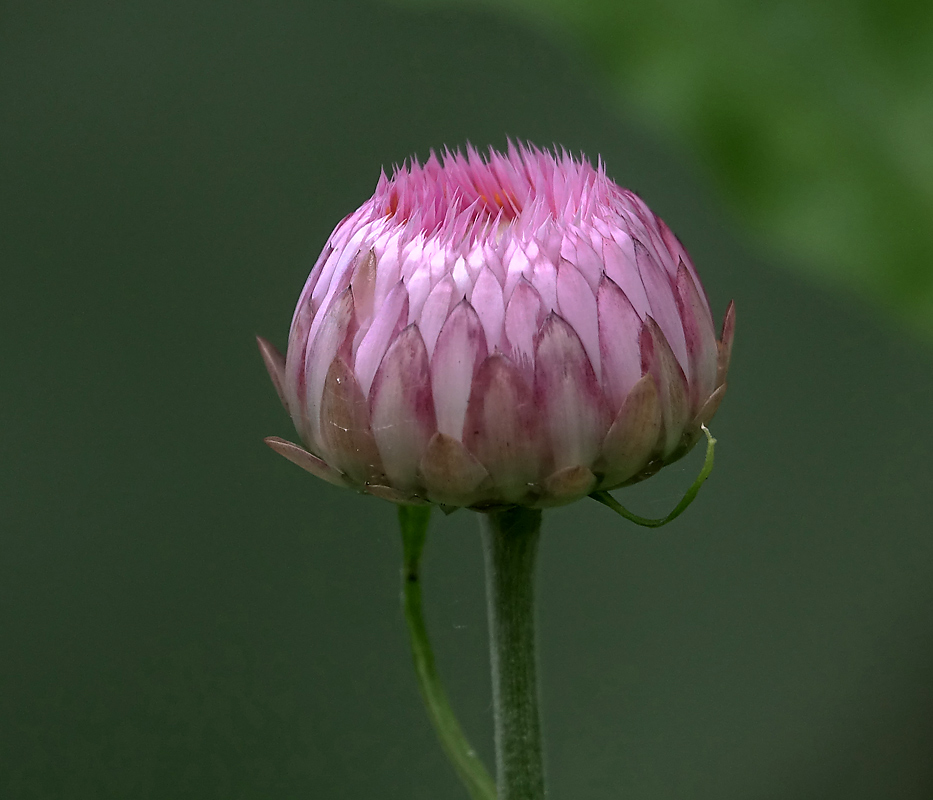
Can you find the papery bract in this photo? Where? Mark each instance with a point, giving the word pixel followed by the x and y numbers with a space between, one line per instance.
pixel 510 330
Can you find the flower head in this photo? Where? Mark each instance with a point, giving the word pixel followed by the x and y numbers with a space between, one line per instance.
pixel 510 330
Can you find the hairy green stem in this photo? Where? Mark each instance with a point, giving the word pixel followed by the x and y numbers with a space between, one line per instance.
pixel 510 543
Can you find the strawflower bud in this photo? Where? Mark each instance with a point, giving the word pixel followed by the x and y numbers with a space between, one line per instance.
pixel 510 330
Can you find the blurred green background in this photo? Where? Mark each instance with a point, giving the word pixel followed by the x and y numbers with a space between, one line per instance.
pixel 813 121
pixel 185 614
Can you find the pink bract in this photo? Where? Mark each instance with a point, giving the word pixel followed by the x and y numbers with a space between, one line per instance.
pixel 510 330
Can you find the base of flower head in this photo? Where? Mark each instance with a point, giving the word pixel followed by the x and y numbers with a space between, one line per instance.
pixel 560 488
pixel 451 475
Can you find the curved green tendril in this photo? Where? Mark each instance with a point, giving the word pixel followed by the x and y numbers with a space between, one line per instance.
pixel 413 521
pixel 608 500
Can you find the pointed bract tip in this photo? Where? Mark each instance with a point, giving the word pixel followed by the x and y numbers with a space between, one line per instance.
pixel 302 458
pixel 275 366
pixel 725 344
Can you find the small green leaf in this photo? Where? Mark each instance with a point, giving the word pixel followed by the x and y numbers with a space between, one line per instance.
pixel 608 500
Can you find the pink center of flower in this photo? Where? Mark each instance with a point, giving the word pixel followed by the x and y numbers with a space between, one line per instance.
pixel 471 195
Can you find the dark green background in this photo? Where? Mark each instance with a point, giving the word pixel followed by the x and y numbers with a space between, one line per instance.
pixel 185 614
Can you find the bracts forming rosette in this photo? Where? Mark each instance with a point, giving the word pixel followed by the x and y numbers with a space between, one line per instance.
pixel 514 330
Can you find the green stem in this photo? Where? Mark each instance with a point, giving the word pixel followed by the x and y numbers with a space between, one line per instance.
pixel 414 524
pixel 510 543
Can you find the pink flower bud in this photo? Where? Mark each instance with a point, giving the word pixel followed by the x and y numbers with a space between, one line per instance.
pixel 515 330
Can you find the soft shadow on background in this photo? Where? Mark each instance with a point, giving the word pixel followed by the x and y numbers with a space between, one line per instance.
pixel 185 614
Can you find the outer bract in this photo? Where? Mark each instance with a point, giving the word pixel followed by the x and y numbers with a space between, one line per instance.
pixel 514 330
